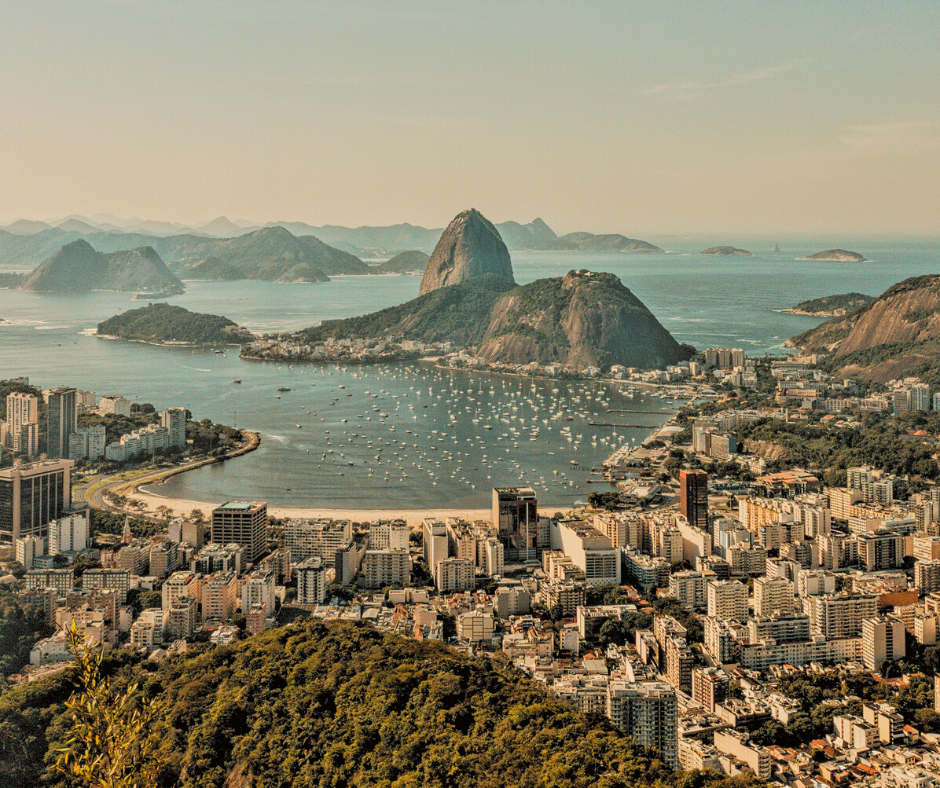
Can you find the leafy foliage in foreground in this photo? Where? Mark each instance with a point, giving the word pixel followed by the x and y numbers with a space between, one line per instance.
pixel 342 704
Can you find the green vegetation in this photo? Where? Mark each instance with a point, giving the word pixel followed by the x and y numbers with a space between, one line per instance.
pixel 833 450
pixel 10 280
pixel 821 695
pixel 21 625
pixel 341 704
pixel 404 263
pixel 167 323
pixel 840 304
pixel 109 743
pixel 459 314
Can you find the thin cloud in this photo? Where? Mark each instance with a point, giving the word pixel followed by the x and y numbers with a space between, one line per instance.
pixel 693 88
pixel 892 135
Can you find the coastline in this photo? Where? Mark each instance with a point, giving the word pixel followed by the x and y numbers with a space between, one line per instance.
pixel 414 517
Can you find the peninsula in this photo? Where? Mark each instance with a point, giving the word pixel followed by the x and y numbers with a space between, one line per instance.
pixel 831 306
pixel 172 325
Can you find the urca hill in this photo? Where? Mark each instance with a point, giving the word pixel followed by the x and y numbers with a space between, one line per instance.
pixel 896 335
pixel 469 297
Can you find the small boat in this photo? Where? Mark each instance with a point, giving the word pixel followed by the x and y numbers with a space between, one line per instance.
pixel 236 380
pixel 283 388
pixel 299 427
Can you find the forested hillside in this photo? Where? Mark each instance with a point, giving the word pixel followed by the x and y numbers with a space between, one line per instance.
pixel 342 704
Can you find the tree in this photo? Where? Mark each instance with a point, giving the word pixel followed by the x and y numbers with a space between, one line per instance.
pixel 110 745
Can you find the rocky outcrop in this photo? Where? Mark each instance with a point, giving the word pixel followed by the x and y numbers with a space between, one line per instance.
pixel 726 251
pixel 837 256
pixel 896 335
pixel 470 247
pixel 583 319
pixel 78 268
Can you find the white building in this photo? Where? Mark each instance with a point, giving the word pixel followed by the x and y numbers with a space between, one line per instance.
pixel 727 600
pixel 311 581
pixel 69 533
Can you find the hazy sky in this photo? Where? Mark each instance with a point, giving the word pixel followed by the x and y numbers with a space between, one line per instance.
pixel 604 116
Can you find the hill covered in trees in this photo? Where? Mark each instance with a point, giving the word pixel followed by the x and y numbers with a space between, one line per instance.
pixel 581 319
pixel 342 704
pixel 165 323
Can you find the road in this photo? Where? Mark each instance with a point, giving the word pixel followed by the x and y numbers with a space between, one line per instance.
pixel 95 491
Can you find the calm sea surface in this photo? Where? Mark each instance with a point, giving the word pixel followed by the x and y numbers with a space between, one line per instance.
pixel 411 436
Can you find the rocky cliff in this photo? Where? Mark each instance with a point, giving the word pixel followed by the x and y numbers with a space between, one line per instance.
pixel 580 320
pixel 583 319
pixel 896 334
pixel 77 267
pixel 470 247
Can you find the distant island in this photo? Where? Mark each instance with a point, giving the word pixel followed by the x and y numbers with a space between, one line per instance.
pixel 831 306
pixel 837 256
pixel 10 281
pixel 726 251
pixel 405 263
pixel 79 268
pixel 172 325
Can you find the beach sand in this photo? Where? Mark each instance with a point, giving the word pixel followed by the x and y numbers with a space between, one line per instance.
pixel 414 517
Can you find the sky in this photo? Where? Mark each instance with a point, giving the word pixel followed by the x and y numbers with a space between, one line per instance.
pixel 639 118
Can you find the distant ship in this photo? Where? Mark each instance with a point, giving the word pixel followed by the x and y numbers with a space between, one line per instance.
pixel 776 249
pixel 152 296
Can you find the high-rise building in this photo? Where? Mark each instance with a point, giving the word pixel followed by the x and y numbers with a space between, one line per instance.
pixel 727 600
pixel 119 406
pixel 516 517
pixel 693 497
pixel 882 639
pixel 840 615
pixel 773 595
pixel 23 423
pixel 920 396
pixel 647 711
pixel 317 538
pixel 311 581
pixel 244 523
pixel 174 421
pixel 61 420
pixel 28 549
pixel 709 687
pixel 69 533
pixel 31 496
pixel 435 543
pixel 455 574
pixel 381 568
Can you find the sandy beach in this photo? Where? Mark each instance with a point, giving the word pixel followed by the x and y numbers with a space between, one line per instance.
pixel 414 517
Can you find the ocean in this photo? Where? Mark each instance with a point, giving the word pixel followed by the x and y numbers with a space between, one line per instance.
pixel 432 448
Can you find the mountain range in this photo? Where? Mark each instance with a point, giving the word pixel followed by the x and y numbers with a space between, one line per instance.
pixel 25 243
